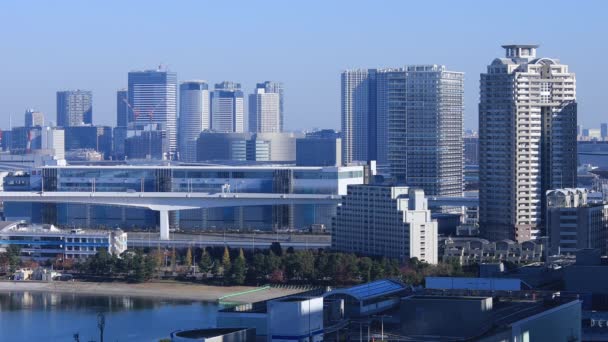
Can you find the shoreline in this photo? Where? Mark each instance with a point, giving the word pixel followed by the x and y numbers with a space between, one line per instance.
pixel 160 290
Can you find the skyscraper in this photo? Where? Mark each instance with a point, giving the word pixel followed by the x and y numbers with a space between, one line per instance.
pixel 194 116
pixel 358 115
pixel 275 88
pixel 527 137
pixel 122 108
pixel 264 111
pixel 227 108
pixel 74 108
pixel 34 118
pixel 153 99
pixel 420 109
pixel 604 130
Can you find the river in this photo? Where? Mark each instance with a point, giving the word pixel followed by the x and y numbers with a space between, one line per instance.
pixel 42 316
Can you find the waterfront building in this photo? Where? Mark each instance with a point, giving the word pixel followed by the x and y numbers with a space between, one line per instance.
pixel 292 317
pixel 34 118
pixel 227 108
pixel 41 242
pixel 527 141
pixel 321 148
pixel 122 108
pixel 264 111
pixel 211 179
pixel 574 223
pixel 260 147
pixel 74 108
pixel 153 99
pixel 194 116
pixel 388 221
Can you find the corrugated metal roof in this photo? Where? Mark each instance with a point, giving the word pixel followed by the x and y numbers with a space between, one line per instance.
pixel 370 290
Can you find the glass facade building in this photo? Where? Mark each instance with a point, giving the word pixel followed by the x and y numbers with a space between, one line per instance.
pixel 248 179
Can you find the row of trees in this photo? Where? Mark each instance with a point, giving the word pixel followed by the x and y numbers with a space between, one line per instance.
pixel 236 267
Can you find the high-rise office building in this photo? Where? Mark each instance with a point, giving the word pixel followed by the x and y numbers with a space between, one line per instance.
pixel 34 118
pixel 420 108
pixel 527 140
pixel 194 116
pixel 53 140
pixel 275 88
pixel 122 108
pixel 358 115
pixel 227 108
pixel 264 111
pixel 153 99
pixel 604 130
pixel 74 108
pixel 392 222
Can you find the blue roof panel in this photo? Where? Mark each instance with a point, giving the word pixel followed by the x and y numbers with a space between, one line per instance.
pixel 371 290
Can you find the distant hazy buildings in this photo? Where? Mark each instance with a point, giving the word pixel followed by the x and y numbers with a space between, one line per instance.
pixel 227 108
pixel 604 130
pixel 392 222
pixel 264 111
pixel 573 223
pixel 97 138
pixel 34 118
pixel 276 88
pixel 194 116
pixel 122 108
pixel 471 150
pixel 153 99
pixel 74 108
pixel 527 137
pixel 53 140
pixel 320 148
pixel 260 147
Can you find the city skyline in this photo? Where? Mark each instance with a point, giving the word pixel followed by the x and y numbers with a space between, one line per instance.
pixel 305 58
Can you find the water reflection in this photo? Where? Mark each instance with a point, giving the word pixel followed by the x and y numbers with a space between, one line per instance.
pixel 47 301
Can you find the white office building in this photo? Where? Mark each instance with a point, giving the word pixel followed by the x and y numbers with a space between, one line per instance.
pixel 227 108
pixel 194 116
pixel 388 221
pixel 53 140
pixel 264 111
pixel 527 141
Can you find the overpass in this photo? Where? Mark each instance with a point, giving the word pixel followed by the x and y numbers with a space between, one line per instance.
pixel 163 202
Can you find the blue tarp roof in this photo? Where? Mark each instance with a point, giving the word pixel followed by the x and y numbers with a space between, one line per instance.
pixel 370 290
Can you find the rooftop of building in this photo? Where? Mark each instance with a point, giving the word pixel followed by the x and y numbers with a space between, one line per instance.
pixel 378 288
pixel 178 166
pixel 48 229
pixel 206 333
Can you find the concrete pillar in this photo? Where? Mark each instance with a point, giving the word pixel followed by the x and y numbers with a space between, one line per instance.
pixel 164 224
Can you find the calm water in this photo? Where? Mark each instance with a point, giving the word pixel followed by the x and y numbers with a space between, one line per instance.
pixel 36 316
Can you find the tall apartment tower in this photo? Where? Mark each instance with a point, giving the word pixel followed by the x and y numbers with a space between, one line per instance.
pixel 74 108
pixel 527 141
pixel 358 115
pixel 227 108
pixel 264 111
pixel 194 116
pixel 122 108
pixel 420 126
pixel 153 99
pixel 34 118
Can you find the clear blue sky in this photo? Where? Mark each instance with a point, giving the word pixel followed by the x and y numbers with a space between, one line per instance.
pixel 47 46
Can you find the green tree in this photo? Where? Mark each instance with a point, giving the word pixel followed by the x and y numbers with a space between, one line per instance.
pixel 205 263
pixel 239 269
pixel 276 248
pixel 365 268
pixel 13 253
pixel 226 263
